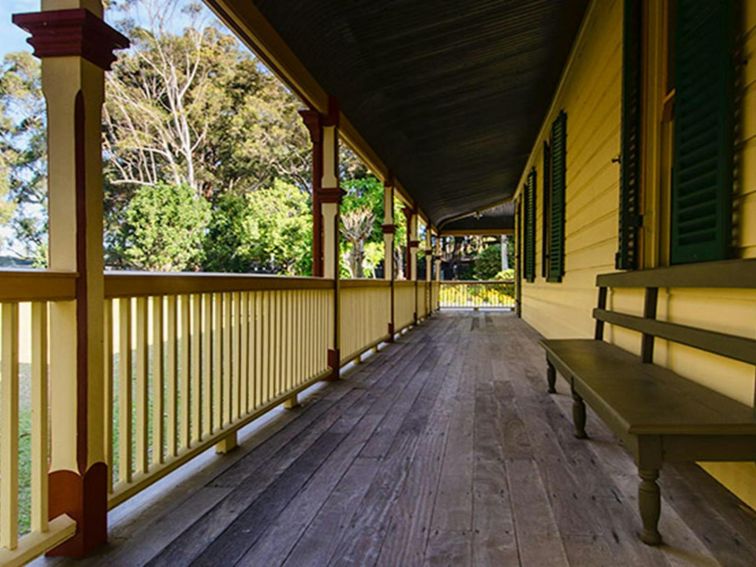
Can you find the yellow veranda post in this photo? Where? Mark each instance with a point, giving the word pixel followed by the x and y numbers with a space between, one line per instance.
pixel 73 84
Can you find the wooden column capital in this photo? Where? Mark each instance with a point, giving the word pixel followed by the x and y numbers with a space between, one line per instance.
pixel 313 121
pixel 409 212
pixel 76 32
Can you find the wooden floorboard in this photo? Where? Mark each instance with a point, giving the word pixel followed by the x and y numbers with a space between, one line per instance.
pixel 444 449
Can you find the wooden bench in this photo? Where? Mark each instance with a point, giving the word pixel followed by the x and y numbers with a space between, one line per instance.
pixel 659 415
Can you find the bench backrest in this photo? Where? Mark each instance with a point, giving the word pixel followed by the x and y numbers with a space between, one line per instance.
pixel 733 274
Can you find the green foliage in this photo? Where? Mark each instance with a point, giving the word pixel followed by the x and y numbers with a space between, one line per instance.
pixel 163 228
pixel 507 275
pixel 365 192
pixel 23 160
pixel 373 257
pixel 488 262
pixel 277 230
pixel 226 235
pixel 361 216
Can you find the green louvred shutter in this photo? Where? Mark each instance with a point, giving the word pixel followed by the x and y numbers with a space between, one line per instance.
pixel 629 210
pixel 704 133
pixel 557 198
pixel 530 226
pixel 545 206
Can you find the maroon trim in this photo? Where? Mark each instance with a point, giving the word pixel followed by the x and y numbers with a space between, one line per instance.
pixel 334 110
pixel 331 195
pixel 388 228
pixel 313 121
pixel 413 243
pixel 84 497
pixel 59 33
pixel 334 363
pixel 428 251
pixel 391 332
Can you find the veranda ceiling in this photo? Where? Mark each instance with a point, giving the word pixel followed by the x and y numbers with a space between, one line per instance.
pixel 449 94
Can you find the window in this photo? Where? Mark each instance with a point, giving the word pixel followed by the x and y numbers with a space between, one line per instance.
pixel 530 225
pixel 558 179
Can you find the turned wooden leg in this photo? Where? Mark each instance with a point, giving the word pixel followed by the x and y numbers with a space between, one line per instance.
pixel 291 403
pixel 551 377
pixel 578 415
pixel 649 501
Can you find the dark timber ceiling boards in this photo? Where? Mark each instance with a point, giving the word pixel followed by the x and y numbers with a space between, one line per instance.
pixel 498 218
pixel 450 94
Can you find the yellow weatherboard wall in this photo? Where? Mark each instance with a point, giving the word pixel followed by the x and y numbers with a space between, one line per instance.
pixel 590 92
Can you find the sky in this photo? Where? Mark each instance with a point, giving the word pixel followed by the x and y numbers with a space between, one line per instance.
pixel 11 37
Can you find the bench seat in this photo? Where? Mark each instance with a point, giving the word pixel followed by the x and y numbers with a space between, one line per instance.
pixel 638 398
pixel 659 415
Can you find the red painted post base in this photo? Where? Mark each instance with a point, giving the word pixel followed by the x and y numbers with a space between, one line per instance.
pixel 334 361
pixel 85 500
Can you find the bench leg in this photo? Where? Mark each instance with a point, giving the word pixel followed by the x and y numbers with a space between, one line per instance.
pixel 649 501
pixel 551 377
pixel 578 415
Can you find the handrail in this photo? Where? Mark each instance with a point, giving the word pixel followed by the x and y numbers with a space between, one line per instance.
pixel 37 285
pixel 365 282
pixel 141 284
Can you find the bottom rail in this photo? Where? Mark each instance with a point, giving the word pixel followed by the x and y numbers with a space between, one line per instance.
pixel 37 543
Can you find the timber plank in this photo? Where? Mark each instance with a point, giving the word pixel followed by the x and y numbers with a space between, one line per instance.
pixel 723 540
pixel 497 433
pixel 248 526
pixel 319 541
pixel 285 531
pixel 361 542
pixel 450 540
pixel 311 412
pixel 408 526
pixel 207 528
pixel 538 539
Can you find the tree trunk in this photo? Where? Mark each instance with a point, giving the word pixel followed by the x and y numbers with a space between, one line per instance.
pixel 504 253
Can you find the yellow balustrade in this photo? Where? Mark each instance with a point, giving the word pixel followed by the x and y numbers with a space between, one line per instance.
pixel 213 352
pixel 404 304
pixel 188 360
pixel 422 299
pixel 25 529
pixel 476 294
pixel 364 313
pixel 435 295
